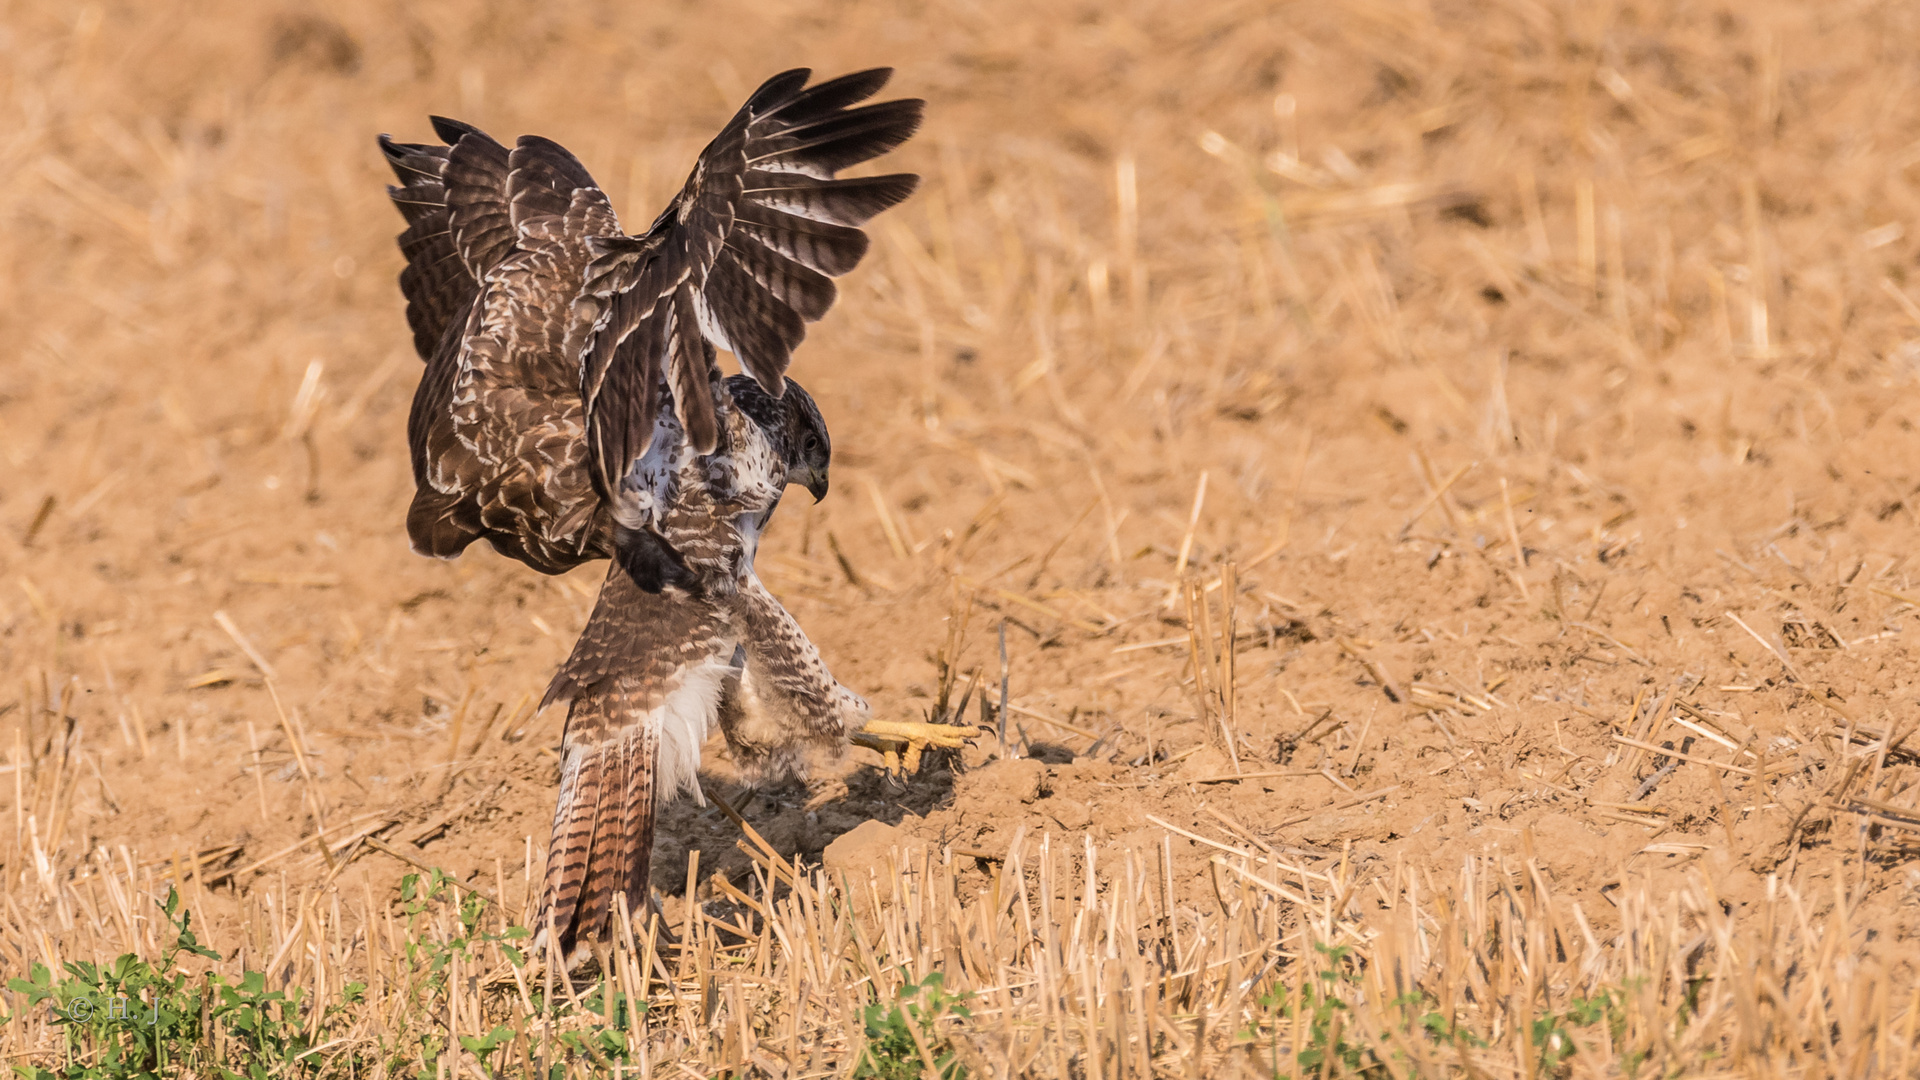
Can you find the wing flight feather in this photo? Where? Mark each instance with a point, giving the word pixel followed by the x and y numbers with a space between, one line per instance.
pixel 435 282
pixel 744 252
pixel 554 344
pixel 476 182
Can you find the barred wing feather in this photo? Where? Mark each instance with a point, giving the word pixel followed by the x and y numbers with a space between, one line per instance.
pixel 741 259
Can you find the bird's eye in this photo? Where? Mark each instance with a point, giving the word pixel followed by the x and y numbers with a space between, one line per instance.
pixel 810 443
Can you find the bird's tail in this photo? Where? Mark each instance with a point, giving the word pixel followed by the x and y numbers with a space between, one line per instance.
pixel 641 689
pixel 602 826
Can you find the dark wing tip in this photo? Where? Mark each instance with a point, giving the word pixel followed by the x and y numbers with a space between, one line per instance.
pixel 451 130
pixel 652 563
pixel 910 111
pixel 836 94
pixel 560 689
pixel 856 86
pixel 396 155
pixel 820 143
pixel 412 162
pixel 779 88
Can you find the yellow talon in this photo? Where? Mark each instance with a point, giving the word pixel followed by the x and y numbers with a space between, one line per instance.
pixel 901 742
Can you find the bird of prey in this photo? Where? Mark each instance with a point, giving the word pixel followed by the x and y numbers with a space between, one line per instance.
pixel 572 409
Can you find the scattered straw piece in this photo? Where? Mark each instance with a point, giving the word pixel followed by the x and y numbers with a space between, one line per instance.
pixel 1666 752
pixel 1268 774
pixel 1778 652
pixel 246 647
pixel 1193 523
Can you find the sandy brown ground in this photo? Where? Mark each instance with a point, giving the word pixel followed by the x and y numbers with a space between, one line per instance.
pixel 1635 278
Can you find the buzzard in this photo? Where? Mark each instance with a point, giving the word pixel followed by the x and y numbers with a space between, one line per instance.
pixel 572 409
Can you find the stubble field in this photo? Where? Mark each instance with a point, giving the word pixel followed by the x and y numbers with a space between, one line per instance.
pixel 1444 476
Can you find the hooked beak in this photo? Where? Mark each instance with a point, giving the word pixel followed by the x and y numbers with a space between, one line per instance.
pixel 814 480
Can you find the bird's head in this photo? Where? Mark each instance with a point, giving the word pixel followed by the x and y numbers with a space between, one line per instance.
pixel 793 425
pixel 809 450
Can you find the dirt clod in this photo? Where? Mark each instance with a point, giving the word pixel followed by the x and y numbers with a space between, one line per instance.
pixel 865 846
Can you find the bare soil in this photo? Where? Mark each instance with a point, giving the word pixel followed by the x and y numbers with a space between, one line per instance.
pixel 1548 375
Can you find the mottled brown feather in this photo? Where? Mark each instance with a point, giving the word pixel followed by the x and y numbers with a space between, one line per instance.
pixel 552 344
pixel 758 312
pixel 638 650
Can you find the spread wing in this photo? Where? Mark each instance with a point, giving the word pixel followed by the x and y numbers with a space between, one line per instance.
pixel 551 343
pixel 496 248
pixel 435 282
pixel 742 259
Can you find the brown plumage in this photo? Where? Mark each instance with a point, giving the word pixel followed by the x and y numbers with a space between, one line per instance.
pixel 571 409
pixel 744 252
pixel 651 672
pixel 645 668
pixel 541 323
pixel 647 677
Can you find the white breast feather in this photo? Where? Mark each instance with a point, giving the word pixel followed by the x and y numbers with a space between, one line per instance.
pixel 684 720
pixel 647 488
pixel 759 473
pixel 748 526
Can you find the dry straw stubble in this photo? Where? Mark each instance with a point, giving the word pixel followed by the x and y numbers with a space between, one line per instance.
pixel 1547 368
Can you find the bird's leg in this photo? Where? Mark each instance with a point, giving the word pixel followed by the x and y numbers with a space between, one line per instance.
pixel 786 667
pixel 902 742
pixel 784 664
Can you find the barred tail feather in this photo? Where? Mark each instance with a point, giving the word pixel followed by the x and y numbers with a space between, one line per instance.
pixel 603 829
pixel 641 690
